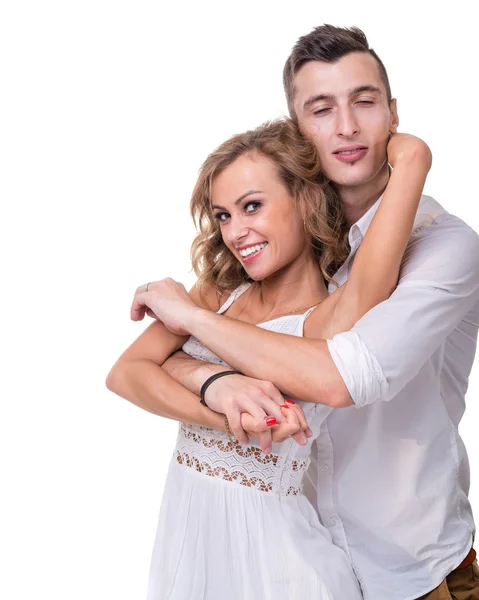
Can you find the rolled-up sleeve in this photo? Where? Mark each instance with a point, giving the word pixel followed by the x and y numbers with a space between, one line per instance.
pixel 438 286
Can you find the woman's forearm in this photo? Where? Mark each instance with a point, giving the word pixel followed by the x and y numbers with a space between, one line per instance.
pixel 148 386
pixel 375 270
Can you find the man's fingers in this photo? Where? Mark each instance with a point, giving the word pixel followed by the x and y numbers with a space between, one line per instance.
pixel 300 438
pixel 138 309
pixel 257 413
pixel 265 441
pixel 234 420
pixel 272 392
pixel 272 409
pixel 151 314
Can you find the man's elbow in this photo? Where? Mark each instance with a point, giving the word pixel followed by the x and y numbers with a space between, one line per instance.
pixel 335 395
pixel 338 396
pixel 341 399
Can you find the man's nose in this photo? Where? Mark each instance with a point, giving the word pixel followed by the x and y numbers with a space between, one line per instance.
pixel 347 125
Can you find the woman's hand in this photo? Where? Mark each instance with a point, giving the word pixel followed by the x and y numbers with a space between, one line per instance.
pixel 403 146
pixel 168 301
pixel 294 426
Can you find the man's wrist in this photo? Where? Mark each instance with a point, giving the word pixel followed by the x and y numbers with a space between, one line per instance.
pixel 197 319
pixel 205 371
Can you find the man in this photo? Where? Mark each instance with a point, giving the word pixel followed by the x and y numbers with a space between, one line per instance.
pixel 392 477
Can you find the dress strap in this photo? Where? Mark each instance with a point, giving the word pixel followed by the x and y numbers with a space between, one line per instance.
pixel 234 296
pixel 308 312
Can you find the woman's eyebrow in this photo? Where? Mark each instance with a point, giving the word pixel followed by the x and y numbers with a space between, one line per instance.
pixel 248 193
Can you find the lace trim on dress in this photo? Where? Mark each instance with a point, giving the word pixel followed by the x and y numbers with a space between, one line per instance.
pixel 214 454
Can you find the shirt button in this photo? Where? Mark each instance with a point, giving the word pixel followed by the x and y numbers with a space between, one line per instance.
pixel 325 468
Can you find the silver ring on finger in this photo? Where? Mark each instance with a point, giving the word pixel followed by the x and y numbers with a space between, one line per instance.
pixel 147 286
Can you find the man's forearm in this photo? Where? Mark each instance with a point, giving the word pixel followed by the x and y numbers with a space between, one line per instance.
pixel 299 367
pixel 147 385
pixel 188 371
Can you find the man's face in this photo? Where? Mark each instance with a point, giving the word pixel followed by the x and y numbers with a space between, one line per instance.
pixel 342 108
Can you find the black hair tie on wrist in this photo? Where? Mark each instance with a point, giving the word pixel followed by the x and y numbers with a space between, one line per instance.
pixel 210 380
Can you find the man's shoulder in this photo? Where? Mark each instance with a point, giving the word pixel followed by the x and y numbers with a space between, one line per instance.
pixel 440 243
pixel 431 213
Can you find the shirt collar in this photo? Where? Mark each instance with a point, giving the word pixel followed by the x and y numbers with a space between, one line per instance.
pixel 428 210
pixel 358 230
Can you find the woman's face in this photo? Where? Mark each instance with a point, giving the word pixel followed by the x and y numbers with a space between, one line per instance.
pixel 259 221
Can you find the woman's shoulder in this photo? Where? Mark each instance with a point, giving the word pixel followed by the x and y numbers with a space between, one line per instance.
pixel 208 296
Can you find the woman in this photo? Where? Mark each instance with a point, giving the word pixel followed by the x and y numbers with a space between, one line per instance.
pixel 234 522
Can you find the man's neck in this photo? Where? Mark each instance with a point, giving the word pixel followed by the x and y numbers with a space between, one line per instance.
pixel 357 200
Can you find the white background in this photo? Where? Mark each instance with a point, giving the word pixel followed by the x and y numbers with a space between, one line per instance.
pixel 107 110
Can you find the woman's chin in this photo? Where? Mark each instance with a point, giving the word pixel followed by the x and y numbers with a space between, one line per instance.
pixel 257 274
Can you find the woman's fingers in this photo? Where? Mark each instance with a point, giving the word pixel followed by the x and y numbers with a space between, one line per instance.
pixel 260 428
pixel 300 413
pixel 259 423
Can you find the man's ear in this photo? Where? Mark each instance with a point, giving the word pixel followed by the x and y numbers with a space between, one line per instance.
pixel 394 118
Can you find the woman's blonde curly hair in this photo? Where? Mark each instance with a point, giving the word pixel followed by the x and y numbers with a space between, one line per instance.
pixel 298 166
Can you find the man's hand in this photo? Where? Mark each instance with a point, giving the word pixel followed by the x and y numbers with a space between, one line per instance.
pixel 257 408
pixel 166 300
pixel 294 426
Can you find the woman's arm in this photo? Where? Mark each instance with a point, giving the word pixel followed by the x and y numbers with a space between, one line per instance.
pixel 375 270
pixel 138 377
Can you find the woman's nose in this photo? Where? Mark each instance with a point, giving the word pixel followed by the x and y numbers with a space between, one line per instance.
pixel 236 230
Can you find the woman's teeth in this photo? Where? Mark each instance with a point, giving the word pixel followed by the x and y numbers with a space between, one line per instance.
pixel 252 249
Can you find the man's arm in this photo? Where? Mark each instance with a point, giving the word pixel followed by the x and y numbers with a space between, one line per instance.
pixel 299 367
pixel 439 284
pixel 191 373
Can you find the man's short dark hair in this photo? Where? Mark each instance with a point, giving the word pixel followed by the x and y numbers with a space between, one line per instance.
pixel 327 43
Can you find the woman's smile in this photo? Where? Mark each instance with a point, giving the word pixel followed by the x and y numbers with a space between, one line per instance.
pixel 250 253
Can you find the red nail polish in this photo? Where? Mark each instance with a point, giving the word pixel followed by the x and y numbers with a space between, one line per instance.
pixel 284 406
pixel 289 401
pixel 270 421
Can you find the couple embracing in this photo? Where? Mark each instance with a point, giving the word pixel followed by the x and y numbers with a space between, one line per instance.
pixel 319 366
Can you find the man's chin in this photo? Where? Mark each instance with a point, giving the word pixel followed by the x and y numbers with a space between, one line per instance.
pixel 354 176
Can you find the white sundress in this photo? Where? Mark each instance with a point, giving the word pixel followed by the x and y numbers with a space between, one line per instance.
pixel 234 523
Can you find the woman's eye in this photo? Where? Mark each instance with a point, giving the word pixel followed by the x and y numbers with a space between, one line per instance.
pixel 251 207
pixel 221 217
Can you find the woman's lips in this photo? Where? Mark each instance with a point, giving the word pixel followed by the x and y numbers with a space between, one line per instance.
pixel 251 257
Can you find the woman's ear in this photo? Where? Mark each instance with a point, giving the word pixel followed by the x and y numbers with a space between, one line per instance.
pixel 394 118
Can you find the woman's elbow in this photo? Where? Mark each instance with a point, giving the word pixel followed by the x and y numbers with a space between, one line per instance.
pixel 114 378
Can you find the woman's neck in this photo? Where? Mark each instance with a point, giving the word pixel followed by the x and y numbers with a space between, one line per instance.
pixel 297 286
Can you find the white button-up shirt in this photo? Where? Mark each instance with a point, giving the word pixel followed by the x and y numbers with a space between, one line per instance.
pixel 391 472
